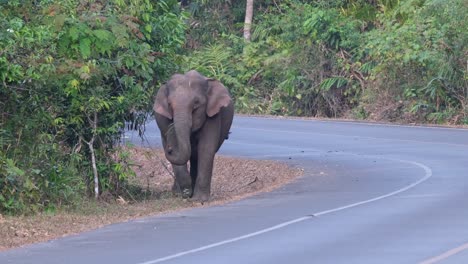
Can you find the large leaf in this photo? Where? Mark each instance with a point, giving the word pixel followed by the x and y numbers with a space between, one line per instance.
pixel 74 33
pixel 102 34
pixel 328 83
pixel 85 47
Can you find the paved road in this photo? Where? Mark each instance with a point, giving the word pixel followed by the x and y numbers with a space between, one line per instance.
pixel 371 194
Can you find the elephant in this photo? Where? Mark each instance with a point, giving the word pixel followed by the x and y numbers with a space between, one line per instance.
pixel 194 115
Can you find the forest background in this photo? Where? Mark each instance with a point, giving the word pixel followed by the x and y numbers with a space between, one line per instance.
pixel 74 74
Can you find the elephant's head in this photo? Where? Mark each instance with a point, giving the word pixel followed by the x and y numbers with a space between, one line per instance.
pixel 188 100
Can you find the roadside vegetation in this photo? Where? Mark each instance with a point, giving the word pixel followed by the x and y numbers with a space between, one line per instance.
pixel 72 73
pixel 391 60
pixel 75 73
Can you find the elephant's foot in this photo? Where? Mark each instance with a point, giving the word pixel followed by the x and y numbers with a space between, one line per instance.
pixel 201 197
pixel 185 192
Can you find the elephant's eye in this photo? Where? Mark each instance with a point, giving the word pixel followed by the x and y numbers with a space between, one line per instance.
pixel 196 104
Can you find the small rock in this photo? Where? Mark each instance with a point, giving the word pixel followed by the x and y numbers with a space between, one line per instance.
pixel 21 233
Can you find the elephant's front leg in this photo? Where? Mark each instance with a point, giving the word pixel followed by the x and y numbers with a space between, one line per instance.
pixel 207 147
pixel 202 189
pixel 182 178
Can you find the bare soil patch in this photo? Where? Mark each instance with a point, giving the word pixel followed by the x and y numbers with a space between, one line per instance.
pixel 233 179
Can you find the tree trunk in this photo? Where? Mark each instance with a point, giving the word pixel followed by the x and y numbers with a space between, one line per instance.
pixel 95 172
pixel 248 19
pixel 93 155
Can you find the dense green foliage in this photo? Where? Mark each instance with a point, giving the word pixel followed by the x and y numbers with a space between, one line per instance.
pixel 387 59
pixel 71 73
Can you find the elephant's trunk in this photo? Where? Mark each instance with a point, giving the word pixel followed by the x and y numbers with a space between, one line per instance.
pixel 178 147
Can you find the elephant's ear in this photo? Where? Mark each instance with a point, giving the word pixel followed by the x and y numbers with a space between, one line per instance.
pixel 161 106
pixel 218 96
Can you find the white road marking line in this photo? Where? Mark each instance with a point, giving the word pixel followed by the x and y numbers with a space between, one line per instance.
pixel 428 174
pixel 228 241
pixel 446 254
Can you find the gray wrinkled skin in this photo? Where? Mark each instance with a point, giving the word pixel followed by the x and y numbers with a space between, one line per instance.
pixel 194 115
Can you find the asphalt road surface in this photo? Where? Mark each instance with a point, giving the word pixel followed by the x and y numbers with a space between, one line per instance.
pixel 371 194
